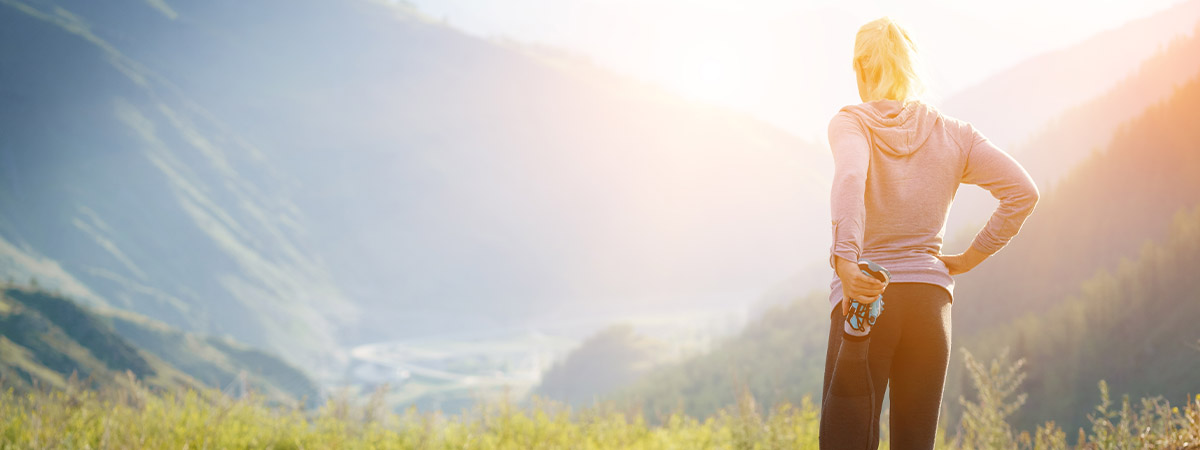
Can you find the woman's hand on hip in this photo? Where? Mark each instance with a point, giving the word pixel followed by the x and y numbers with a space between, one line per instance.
pixel 963 262
pixel 857 285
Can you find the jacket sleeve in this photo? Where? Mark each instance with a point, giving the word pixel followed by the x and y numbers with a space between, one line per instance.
pixel 991 168
pixel 851 159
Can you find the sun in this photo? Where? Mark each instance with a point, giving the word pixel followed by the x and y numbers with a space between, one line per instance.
pixel 711 72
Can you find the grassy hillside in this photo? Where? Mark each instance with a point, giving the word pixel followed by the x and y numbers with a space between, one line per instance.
pixel 215 361
pixel 134 417
pixel 46 338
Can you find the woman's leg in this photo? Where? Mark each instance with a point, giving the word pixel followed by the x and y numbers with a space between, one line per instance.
pixel 884 335
pixel 835 342
pixel 918 371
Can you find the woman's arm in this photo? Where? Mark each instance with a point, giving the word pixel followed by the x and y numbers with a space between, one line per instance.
pixel 851 158
pixel 991 168
pixel 963 262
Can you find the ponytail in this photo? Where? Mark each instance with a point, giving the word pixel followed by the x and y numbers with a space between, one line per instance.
pixel 885 57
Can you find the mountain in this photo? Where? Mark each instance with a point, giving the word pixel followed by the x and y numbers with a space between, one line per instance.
pixel 1020 108
pixel 1011 105
pixel 1102 211
pixel 311 175
pixel 1134 327
pixel 120 188
pixel 603 363
pixel 778 357
pixel 46 338
pixel 1070 138
pixel 215 361
pixel 1059 144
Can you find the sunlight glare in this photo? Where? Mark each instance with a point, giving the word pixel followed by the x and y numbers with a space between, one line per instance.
pixel 711 72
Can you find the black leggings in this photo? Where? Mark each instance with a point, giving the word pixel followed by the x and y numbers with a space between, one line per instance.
pixel 910 347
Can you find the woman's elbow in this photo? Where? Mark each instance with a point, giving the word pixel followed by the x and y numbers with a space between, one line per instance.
pixel 1030 194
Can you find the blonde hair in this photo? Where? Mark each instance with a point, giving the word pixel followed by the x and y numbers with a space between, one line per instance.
pixel 885 57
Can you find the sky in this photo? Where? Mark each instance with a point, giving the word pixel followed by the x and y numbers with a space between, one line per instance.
pixel 767 57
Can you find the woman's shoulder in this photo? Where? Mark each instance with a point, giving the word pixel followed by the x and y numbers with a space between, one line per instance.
pixel 844 120
pixel 846 125
pixel 842 116
pixel 949 120
pixel 851 117
pixel 960 130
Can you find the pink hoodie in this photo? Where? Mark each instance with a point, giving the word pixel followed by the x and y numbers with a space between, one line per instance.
pixel 896 170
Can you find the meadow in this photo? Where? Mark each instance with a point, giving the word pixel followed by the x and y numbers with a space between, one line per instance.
pixel 133 416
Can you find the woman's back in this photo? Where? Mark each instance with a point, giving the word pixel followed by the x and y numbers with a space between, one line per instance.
pixel 897 168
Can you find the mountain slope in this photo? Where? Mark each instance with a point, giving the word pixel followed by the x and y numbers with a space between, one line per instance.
pixel 213 361
pixel 104 180
pixel 1134 327
pixel 1010 106
pixel 606 361
pixel 778 357
pixel 1031 109
pixel 45 338
pixel 270 170
pixel 1071 137
pixel 1102 211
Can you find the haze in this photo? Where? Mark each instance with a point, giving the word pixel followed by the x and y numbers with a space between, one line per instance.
pixel 786 62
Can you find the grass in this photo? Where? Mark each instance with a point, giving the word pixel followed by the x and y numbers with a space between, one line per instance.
pixel 134 416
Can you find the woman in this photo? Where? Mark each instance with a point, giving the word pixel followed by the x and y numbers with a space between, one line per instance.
pixel 898 163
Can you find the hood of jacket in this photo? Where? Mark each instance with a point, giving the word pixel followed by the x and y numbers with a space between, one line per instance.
pixel 896 129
